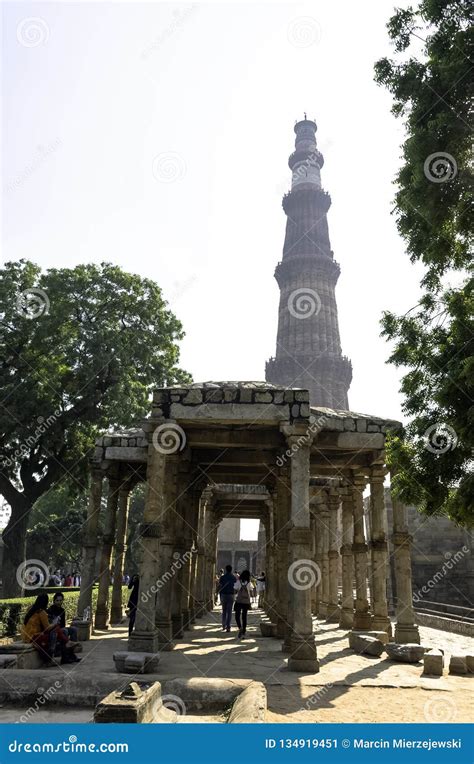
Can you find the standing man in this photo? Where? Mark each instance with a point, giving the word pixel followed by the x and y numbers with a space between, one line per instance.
pixel 226 591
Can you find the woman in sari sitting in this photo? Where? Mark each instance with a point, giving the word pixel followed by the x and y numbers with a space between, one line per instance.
pixel 44 635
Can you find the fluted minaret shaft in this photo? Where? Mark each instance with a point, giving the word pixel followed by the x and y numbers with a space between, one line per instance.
pixel 308 352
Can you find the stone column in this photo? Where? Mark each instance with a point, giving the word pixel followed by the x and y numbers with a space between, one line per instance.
pixel 282 526
pixel 191 518
pixel 324 529
pixel 200 561
pixel 116 613
pixel 301 573
pixel 362 616
pixel 333 609
pixel 166 567
pixel 347 611
pixel 314 589
pixel 89 553
pixel 318 508
pixel 102 608
pixel 379 552
pixel 144 637
pixel 406 630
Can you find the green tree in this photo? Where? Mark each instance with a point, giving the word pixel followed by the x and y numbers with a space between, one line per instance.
pixel 80 351
pixel 433 341
pixel 56 526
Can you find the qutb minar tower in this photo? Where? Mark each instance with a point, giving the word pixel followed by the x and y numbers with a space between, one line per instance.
pixel 308 352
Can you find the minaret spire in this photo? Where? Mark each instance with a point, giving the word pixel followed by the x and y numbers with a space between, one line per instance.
pixel 308 352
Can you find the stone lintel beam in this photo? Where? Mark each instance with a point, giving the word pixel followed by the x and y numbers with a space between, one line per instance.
pixel 263 413
pixel 349 440
pixel 126 454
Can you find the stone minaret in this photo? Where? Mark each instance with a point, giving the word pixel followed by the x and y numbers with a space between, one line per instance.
pixel 308 352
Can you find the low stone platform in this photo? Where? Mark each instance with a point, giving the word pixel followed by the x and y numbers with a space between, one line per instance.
pixel 27 657
pixel 348 687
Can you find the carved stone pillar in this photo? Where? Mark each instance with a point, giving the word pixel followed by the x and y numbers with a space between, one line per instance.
pixel 333 609
pixel 324 567
pixel 144 637
pixel 89 552
pixel 362 616
pixel 379 552
pixel 167 569
pixel 314 589
pixel 116 613
pixel 301 572
pixel 200 560
pixel 319 508
pixel 347 611
pixel 188 603
pixel 282 526
pixel 102 608
pixel 406 630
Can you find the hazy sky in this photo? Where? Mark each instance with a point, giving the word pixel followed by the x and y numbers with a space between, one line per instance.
pixel 157 135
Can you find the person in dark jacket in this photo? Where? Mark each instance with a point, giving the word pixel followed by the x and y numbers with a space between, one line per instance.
pixel 133 601
pixel 243 602
pixel 57 615
pixel 226 592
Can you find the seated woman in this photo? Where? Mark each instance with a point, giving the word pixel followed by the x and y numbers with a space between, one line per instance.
pixel 42 634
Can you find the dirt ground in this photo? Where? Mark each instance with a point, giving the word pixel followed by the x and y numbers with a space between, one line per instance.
pixel 362 705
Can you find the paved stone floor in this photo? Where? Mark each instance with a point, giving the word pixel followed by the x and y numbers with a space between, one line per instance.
pixel 348 687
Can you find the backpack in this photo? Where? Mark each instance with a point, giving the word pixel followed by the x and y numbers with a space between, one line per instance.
pixel 243 596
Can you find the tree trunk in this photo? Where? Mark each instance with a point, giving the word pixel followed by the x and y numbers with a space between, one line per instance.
pixel 14 549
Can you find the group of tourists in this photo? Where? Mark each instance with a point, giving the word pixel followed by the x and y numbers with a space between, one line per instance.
pixel 236 592
pixel 45 628
pixel 60 578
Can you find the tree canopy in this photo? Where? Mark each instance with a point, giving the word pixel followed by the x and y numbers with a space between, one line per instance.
pixel 80 348
pixel 433 341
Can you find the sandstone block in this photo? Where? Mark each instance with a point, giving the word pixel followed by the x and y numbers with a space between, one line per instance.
pixel 470 663
pixel 362 643
pixel 409 653
pixel 433 662
pixel 136 663
pixel 193 397
pixel 458 665
pixel 263 397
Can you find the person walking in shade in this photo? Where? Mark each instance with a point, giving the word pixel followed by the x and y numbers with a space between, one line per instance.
pixel 226 592
pixel 242 602
pixel 134 585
